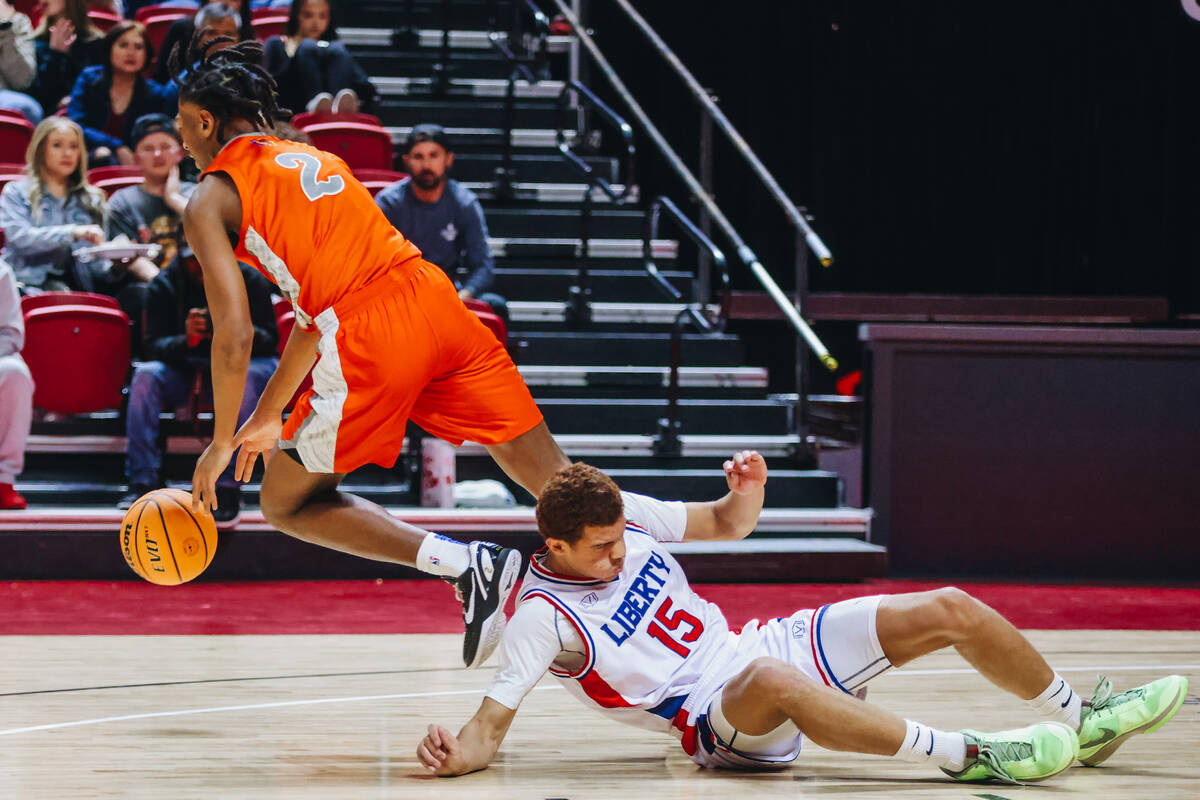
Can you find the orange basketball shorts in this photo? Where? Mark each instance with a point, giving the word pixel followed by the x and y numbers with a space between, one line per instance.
pixel 404 347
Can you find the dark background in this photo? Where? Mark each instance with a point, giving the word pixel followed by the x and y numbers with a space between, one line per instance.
pixel 999 148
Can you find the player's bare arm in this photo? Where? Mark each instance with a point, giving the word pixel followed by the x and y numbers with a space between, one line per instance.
pixel 259 434
pixel 213 211
pixel 735 515
pixel 446 755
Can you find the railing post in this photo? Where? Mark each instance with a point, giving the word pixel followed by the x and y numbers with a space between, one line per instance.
pixel 667 442
pixel 704 264
pixel 579 299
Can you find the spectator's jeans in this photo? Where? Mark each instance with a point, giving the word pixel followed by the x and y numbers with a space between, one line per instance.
pixel 16 413
pixel 17 101
pixel 156 386
pixel 322 67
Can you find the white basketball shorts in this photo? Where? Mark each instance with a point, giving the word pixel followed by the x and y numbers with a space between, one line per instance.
pixel 836 644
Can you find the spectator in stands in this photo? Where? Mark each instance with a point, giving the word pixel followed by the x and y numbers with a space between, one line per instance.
pixel 151 212
pixel 214 20
pixel 226 18
pixel 441 216
pixel 65 42
pixel 18 63
pixel 16 391
pixel 108 99
pixel 313 70
pixel 178 336
pixel 53 211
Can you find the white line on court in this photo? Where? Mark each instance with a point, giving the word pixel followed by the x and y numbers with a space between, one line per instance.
pixel 450 693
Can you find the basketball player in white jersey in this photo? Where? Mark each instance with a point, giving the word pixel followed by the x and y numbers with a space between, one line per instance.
pixel 607 610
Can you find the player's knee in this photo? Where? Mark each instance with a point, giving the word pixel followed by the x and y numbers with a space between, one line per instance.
pixel 774 677
pixel 276 511
pixel 953 611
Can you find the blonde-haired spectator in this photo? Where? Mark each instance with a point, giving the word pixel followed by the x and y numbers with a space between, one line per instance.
pixel 53 211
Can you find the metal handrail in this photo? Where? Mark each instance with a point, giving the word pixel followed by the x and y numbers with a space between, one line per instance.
pixel 505 175
pixel 694 314
pixel 579 297
pixel 615 120
pixel 794 215
pixel 745 253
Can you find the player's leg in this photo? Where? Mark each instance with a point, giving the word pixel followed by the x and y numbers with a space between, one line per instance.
pixel 910 625
pixel 755 706
pixel 530 459
pixel 309 506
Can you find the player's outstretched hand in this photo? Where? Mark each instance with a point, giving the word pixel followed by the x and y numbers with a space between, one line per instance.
pixel 257 436
pixel 746 472
pixel 441 753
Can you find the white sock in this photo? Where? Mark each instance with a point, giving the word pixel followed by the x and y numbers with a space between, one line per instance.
pixel 440 555
pixel 1059 702
pixel 925 745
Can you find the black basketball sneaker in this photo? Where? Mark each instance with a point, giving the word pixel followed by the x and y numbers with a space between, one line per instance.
pixel 485 587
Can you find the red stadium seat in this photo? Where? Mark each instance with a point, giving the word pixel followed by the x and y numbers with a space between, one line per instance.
pixel 79 357
pixel 15 134
pixel 494 324
pixel 10 173
pixel 378 179
pixel 8 112
pixel 110 179
pixel 30 302
pixel 360 146
pixel 158 25
pixel 104 20
pixel 269 25
pixel 306 118
pixel 146 12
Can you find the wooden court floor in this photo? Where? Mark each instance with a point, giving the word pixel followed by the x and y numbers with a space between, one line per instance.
pixel 339 717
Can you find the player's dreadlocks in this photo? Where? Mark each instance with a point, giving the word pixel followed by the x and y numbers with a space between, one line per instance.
pixel 231 82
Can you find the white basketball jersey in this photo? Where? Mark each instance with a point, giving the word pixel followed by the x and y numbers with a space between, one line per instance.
pixel 649 639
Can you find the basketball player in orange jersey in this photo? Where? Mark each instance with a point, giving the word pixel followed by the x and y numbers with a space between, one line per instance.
pixel 390 339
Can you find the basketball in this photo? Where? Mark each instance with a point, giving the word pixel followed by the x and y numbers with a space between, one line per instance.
pixel 163 541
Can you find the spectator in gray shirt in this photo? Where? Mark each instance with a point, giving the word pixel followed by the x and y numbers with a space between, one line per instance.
pixel 18 64
pixel 53 211
pixel 16 391
pixel 442 217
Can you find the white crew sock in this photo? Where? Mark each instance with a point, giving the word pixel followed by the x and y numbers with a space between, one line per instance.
pixel 440 555
pixel 925 745
pixel 1059 702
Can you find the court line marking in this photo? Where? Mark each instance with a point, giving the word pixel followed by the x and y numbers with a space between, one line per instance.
pixel 455 692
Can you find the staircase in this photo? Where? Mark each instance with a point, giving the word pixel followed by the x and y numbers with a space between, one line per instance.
pixel 601 383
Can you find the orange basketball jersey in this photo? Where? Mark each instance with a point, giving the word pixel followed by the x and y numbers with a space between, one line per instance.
pixel 307 224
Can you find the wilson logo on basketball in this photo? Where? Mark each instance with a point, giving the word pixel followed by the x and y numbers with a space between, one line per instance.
pixel 191 546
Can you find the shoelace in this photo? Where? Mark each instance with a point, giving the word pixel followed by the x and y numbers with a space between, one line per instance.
pixel 993 754
pixel 1103 697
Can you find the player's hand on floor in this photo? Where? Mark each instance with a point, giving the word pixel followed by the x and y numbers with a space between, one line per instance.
pixel 257 436
pixel 746 472
pixel 440 752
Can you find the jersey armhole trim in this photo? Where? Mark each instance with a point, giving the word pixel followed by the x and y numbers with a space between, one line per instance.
pixel 589 657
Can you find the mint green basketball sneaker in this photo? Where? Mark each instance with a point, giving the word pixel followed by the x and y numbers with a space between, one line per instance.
pixel 1113 718
pixel 1019 756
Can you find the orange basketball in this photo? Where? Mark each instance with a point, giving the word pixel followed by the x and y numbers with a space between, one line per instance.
pixel 163 541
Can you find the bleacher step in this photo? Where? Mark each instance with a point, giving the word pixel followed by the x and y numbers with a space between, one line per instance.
pixel 470 87
pixel 633 349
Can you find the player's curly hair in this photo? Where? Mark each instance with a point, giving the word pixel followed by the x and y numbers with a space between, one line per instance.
pixel 577 496
pixel 231 82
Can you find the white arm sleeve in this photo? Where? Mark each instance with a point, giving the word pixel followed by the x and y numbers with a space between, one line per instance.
pixel 530 645
pixel 666 522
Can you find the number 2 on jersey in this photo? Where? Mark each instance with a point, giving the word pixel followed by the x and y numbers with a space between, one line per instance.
pixel 671 623
pixel 309 167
